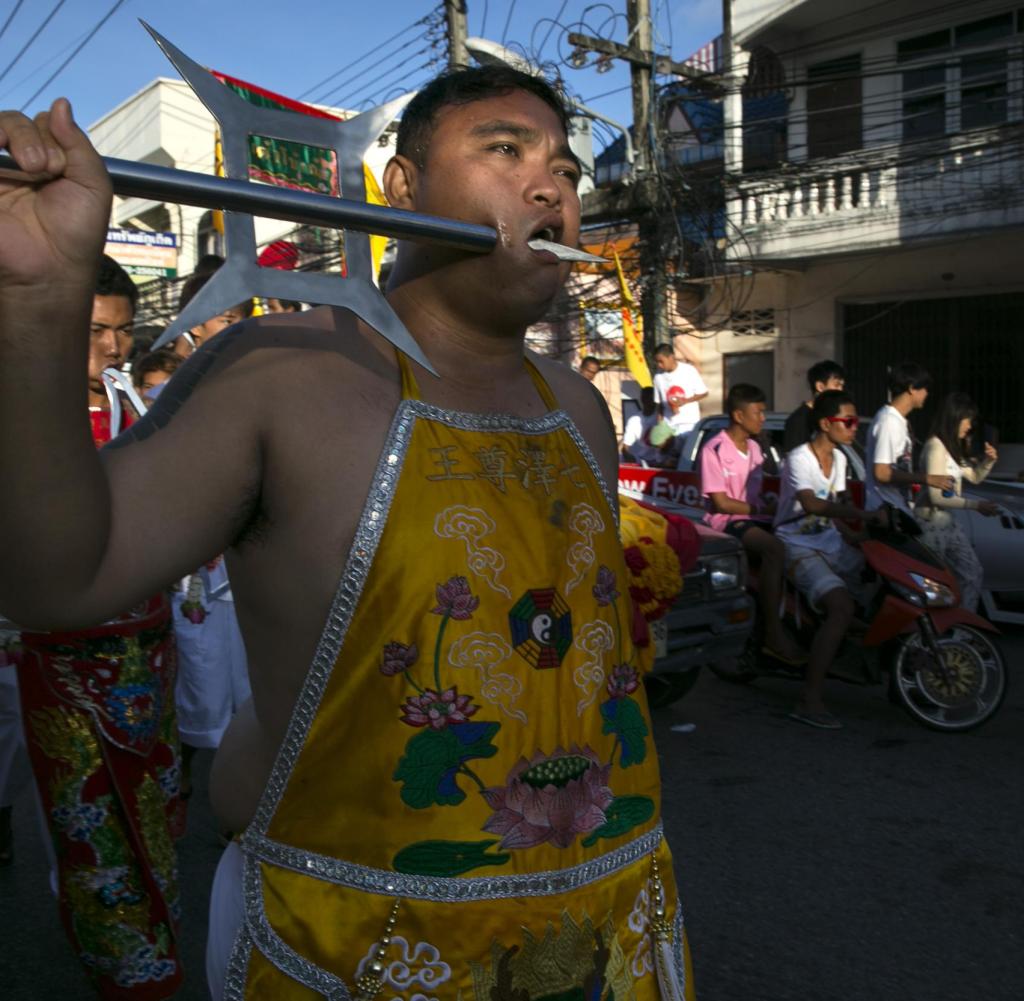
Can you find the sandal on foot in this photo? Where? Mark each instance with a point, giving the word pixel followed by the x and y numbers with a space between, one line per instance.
pixel 798 661
pixel 823 720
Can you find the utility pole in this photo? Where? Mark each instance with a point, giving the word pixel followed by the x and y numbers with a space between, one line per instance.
pixel 455 15
pixel 643 63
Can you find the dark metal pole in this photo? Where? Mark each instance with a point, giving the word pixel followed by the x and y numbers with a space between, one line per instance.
pixel 162 184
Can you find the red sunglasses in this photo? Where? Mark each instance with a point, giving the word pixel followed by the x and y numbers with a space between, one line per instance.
pixel 850 422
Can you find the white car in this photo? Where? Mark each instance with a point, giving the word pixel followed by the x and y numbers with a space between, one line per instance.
pixel 998 541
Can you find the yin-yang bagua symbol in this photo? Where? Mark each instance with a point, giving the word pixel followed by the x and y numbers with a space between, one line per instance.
pixel 541 627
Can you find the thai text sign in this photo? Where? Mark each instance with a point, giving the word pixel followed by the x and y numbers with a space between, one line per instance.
pixel 144 253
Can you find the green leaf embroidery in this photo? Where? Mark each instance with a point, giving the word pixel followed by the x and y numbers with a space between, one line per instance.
pixel 433 759
pixel 625 719
pixel 623 814
pixel 446 858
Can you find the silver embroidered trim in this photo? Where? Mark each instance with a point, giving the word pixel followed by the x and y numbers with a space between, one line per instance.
pixel 238 967
pixel 677 946
pixel 276 950
pixel 446 889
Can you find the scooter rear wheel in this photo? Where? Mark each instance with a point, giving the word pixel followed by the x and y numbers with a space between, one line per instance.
pixel 959 694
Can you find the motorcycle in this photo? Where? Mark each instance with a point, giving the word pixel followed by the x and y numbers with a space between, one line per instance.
pixel 943 666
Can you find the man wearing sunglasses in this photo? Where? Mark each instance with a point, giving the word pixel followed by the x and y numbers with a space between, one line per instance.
pixel 810 522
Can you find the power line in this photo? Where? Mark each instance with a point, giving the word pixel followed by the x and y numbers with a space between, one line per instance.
pixel 364 56
pixel 85 41
pixel 35 35
pixel 10 17
pixel 508 21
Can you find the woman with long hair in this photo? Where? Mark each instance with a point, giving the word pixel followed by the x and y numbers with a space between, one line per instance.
pixel 948 452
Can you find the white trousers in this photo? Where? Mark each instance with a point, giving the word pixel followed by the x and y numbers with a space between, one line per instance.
pixel 227 912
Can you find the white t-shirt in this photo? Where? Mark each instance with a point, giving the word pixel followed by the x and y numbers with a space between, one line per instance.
pixel 635 438
pixel 890 444
pixel 688 379
pixel 794 526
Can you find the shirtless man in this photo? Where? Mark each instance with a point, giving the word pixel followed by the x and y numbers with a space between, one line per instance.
pixel 283 420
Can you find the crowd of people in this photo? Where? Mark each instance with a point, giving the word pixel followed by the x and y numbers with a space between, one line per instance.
pixel 810 535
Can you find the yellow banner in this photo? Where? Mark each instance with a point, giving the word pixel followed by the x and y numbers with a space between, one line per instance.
pixel 632 338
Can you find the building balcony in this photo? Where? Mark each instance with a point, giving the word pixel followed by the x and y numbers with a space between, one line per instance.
pixel 885 197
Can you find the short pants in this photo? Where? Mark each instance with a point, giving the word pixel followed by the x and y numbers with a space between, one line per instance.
pixel 737 529
pixel 815 575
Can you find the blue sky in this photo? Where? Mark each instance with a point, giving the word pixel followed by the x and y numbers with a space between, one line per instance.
pixel 293 48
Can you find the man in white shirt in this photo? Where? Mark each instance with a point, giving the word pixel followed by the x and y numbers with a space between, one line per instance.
pixel 890 456
pixel 688 385
pixel 820 562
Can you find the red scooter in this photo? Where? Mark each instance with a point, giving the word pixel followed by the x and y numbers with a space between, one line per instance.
pixel 943 665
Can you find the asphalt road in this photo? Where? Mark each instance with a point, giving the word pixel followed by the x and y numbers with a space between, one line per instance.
pixel 882 862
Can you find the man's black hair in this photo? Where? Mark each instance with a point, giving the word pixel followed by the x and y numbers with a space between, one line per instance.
pixel 114 280
pixel 199 278
pixel 822 371
pixel 596 361
pixel 465 86
pixel 955 407
pixel 665 349
pixel 163 360
pixel 741 395
pixel 828 404
pixel 906 376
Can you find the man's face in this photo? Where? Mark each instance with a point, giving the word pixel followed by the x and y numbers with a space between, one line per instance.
pixel 750 418
pixel 152 379
pixel 589 370
pixel 842 428
pixel 918 397
pixel 505 162
pixel 207 331
pixel 665 363
pixel 832 382
pixel 110 336
pixel 276 306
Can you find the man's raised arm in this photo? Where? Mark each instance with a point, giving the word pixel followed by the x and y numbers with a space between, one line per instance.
pixel 83 538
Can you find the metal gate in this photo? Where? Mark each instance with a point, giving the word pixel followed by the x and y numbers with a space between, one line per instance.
pixel 970 343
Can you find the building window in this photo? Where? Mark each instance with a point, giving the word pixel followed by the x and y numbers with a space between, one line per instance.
pixel 946 89
pixel 834 107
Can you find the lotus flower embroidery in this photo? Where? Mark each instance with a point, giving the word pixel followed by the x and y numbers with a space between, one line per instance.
pixel 552 797
pixel 604 589
pixel 623 681
pixel 438 710
pixel 454 599
pixel 397 657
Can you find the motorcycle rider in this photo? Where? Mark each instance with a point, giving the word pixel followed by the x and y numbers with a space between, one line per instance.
pixel 821 562
pixel 731 475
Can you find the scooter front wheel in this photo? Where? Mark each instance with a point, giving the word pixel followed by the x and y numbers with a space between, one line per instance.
pixel 958 694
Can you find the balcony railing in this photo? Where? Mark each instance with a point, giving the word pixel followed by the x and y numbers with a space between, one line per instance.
pixel 966 182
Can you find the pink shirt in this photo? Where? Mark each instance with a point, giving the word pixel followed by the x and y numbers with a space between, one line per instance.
pixel 725 469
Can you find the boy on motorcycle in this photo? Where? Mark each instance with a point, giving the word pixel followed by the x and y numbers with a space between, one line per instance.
pixel 731 478
pixel 810 522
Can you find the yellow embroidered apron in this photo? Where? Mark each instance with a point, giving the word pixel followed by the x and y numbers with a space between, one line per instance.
pixel 466 804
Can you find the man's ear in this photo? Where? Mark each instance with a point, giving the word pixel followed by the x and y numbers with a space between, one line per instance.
pixel 400 182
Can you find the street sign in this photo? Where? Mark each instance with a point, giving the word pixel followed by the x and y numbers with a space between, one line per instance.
pixel 144 254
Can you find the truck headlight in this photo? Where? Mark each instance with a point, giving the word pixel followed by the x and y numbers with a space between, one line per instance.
pixel 935 595
pixel 724 572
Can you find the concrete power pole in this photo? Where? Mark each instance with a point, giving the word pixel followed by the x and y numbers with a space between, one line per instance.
pixel 455 14
pixel 654 301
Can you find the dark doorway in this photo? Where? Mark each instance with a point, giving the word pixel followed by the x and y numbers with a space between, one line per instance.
pixel 970 343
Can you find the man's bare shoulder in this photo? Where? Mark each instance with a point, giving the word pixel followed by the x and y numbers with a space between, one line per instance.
pixel 585 405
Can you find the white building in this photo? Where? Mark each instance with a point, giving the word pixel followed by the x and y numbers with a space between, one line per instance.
pixel 878 201
pixel 166 124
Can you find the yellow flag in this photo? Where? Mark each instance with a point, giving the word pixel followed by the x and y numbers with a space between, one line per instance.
pixel 374 196
pixel 632 341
